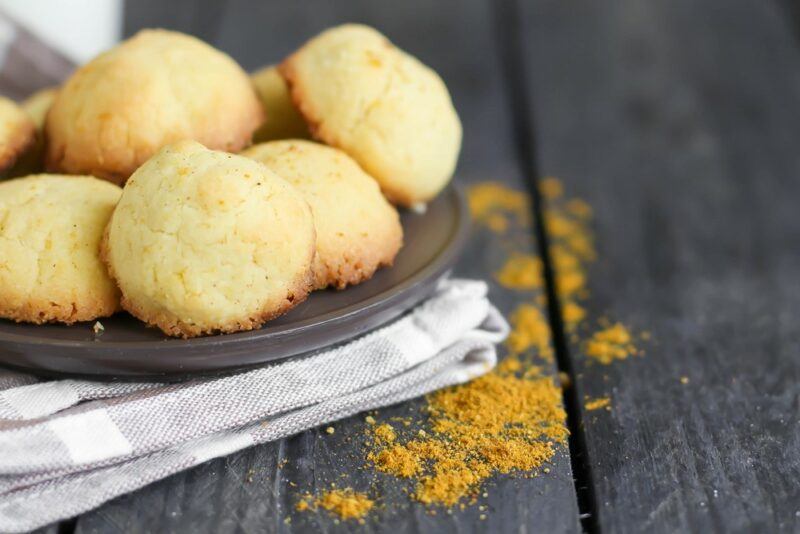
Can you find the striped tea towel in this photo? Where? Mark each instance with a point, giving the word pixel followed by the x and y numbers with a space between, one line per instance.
pixel 66 446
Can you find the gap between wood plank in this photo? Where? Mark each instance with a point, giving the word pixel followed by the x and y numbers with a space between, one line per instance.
pixel 792 10
pixel 508 30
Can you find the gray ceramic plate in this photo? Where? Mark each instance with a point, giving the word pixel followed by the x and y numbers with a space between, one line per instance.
pixel 128 349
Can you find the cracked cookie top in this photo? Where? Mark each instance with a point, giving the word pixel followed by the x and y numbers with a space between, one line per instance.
pixel 205 242
pixel 50 232
pixel 156 88
pixel 387 110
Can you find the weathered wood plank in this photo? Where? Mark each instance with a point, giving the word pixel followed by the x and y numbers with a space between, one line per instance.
pixel 457 39
pixel 679 122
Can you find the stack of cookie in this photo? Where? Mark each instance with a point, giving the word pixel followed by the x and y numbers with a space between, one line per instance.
pixel 159 205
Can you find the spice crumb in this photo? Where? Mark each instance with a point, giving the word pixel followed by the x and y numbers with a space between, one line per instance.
pixel 330 430
pixel 369 420
pixel 610 344
pixel 344 503
pixel 684 380
pixel 564 378
pixel 551 188
pixel 521 271
pixel 493 205
pixel 596 404
pixel 98 328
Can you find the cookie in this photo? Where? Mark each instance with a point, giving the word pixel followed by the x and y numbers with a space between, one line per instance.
pixel 391 113
pixel 154 89
pixel 17 133
pixel 283 121
pixel 207 242
pixel 36 106
pixel 50 232
pixel 358 231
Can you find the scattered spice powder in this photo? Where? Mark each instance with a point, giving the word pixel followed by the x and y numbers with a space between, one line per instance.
pixel 508 420
pixel 492 204
pixel 579 208
pixel 529 328
pixel 573 314
pixel 565 379
pixel 596 404
pixel 551 188
pixel 609 344
pixel 571 249
pixel 568 223
pixel 344 503
pixel 521 271
pixel 512 419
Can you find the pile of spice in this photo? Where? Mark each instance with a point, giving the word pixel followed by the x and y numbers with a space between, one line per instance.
pixel 510 420
pixel 343 503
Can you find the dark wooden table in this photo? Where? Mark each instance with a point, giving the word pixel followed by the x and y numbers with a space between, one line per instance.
pixel 679 122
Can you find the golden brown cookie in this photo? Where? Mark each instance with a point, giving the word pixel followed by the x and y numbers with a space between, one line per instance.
pixel 50 232
pixel 17 133
pixel 358 231
pixel 154 89
pixel 36 106
pixel 205 242
pixel 391 113
pixel 283 121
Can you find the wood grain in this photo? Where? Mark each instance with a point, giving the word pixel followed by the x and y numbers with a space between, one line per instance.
pixel 256 489
pixel 679 122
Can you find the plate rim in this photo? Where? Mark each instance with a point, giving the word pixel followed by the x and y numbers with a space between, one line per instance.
pixel 433 270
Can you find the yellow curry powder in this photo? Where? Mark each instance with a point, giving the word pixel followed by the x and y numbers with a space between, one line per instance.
pixel 511 419
pixel 521 271
pixel 493 204
pixel 344 503
pixel 579 208
pixel 551 188
pixel 596 404
pixel 567 222
pixel 508 420
pixel 573 314
pixel 529 328
pixel 611 343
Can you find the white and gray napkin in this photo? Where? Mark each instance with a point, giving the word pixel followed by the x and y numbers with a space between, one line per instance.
pixel 66 446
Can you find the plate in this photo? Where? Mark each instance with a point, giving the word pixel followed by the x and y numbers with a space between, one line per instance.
pixel 128 349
